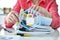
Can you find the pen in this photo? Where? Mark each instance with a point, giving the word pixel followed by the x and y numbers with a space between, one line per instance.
pixel 8 30
pixel 23 25
pixel 24 35
pixel 5 29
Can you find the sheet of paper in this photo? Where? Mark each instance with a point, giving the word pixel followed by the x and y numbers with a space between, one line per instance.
pixel 30 20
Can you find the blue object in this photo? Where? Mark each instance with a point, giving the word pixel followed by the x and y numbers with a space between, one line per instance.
pixel 43 21
pixel 23 25
pixel 22 12
pixel 40 20
pixel 46 21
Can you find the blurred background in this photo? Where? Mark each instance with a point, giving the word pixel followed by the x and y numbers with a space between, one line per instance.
pixel 5 8
pixel 7 5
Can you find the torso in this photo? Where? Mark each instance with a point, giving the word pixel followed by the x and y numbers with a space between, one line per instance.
pixel 25 5
pixel 35 2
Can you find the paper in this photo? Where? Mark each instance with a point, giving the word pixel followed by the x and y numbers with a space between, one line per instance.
pixel 41 20
pixel 38 24
pixel 46 21
pixel 29 20
pixel 2 32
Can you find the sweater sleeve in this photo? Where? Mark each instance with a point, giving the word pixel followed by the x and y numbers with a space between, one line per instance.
pixel 15 8
pixel 55 17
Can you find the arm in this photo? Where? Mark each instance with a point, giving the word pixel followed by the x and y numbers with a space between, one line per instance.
pixel 53 9
pixel 16 8
pixel 51 13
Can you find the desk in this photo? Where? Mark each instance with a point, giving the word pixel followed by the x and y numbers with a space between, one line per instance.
pixel 53 36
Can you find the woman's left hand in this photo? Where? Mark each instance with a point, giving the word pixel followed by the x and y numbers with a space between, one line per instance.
pixel 42 10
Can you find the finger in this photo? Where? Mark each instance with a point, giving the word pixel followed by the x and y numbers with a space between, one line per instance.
pixel 14 17
pixel 12 20
pixel 9 20
pixel 15 13
pixel 34 7
pixel 29 10
pixel 37 8
pixel 40 9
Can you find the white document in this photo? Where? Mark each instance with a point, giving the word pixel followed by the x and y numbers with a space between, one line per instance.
pixel 30 19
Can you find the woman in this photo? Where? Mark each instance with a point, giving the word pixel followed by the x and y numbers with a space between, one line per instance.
pixel 48 8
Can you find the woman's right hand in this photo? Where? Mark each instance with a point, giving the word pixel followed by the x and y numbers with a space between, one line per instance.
pixel 12 17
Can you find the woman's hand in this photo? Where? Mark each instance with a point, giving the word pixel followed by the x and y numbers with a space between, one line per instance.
pixel 12 17
pixel 42 10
